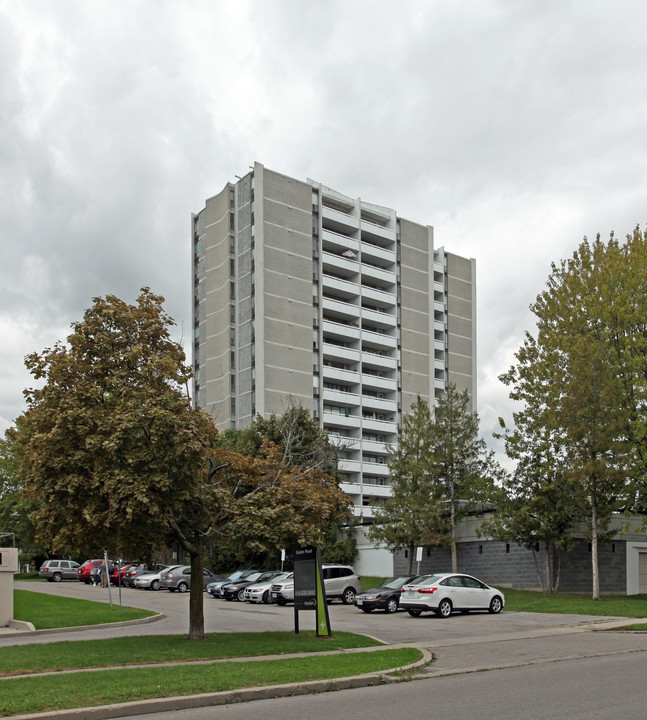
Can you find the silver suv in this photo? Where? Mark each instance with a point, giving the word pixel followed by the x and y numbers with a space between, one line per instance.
pixel 57 570
pixel 340 581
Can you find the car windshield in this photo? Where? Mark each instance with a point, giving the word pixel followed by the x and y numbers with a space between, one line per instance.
pixel 427 579
pixel 395 583
pixel 253 577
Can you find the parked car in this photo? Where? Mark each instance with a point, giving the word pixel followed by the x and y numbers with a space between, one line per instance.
pixel 179 578
pixel 282 592
pixel 340 581
pixel 118 572
pixel 236 590
pixel 386 596
pixel 57 570
pixel 83 571
pixel 214 588
pixel 151 580
pixel 443 593
pixel 133 572
pixel 260 592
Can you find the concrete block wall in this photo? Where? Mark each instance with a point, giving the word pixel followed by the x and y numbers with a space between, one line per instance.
pixel 510 565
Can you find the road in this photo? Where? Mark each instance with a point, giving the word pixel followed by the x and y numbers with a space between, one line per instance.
pixel 607 687
pixel 512 665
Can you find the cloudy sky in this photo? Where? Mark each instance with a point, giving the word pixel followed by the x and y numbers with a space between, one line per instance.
pixel 514 128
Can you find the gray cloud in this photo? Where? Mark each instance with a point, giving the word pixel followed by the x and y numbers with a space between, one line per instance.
pixel 513 128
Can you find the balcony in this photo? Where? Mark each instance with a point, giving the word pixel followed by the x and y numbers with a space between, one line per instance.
pixel 380 405
pixel 378 341
pixel 335 420
pixel 377 255
pixel 338 265
pixel 339 308
pixel 338 375
pixel 380 319
pixel 338 221
pixel 379 359
pixel 378 383
pixel 373 446
pixel 338 243
pixel 350 466
pixel 378 232
pixel 376 490
pixel 382 279
pixel 339 331
pixel 379 298
pixel 384 427
pixel 339 397
pixel 340 287
pixel 337 352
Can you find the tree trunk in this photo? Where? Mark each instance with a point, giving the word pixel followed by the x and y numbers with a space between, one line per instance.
pixel 196 597
pixel 452 510
pixel 549 570
pixel 594 548
pixel 534 557
pixel 411 549
pixel 559 569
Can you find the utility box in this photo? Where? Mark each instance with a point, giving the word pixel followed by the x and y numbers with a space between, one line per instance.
pixel 8 566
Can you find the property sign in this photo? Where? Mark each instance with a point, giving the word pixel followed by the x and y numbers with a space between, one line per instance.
pixel 309 589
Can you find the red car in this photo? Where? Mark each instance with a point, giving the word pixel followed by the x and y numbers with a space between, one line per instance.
pixel 83 573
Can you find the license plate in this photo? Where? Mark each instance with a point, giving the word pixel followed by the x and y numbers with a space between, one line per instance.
pixel 359 602
pixel 275 595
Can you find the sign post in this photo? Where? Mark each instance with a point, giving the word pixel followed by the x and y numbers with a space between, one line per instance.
pixel 309 593
pixel 418 558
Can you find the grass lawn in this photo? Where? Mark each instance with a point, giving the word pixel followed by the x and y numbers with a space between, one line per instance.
pixel 52 611
pixel 571 603
pixel 54 692
pixel 167 648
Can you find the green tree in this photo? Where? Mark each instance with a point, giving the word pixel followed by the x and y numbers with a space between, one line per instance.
pixel 583 376
pixel 462 466
pixel 14 508
pixel 415 514
pixel 307 502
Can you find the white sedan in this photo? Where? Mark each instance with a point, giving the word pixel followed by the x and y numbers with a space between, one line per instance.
pixel 260 592
pixel 443 593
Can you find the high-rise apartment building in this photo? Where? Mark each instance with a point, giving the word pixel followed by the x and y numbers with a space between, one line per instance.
pixel 303 293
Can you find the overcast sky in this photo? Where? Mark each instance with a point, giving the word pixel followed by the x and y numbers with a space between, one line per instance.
pixel 514 128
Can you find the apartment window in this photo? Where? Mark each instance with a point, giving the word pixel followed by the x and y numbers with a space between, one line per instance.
pixel 232 336
pixel 233 406
pixel 232 383
pixel 231 221
pixel 232 245
pixel 231 197
pixel 232 313
pixel 232 267
pixel 232 291
pixel 232 360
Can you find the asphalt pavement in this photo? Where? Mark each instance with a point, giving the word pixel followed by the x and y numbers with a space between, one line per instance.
pixel 459 644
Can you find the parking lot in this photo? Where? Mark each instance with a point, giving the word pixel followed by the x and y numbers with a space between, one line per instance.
pixel 223 616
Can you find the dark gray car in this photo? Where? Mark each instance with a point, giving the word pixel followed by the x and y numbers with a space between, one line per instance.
pixel 179 578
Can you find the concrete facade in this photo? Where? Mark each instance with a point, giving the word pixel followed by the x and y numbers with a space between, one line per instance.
pixel 303 292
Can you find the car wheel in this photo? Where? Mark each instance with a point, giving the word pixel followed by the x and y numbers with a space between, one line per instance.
pixel 495 605
pixel 241 595
pixel 391 605
pixel 367 610
pixel 171 589
pixel 57 577
pixel 280 601
pixel 155 585
pixel 182 587
pixel 414 613
pixel 348 596
pixel 266 597
pixel 444 609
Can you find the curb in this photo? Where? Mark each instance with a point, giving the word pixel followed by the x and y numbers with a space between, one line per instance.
pixel 227 697
pixel 77 628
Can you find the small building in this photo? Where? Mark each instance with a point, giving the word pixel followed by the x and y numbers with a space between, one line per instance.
pixel 622 560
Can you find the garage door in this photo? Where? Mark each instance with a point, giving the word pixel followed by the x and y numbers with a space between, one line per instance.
pixel 642 573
